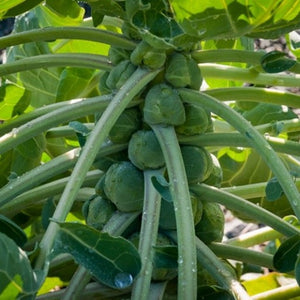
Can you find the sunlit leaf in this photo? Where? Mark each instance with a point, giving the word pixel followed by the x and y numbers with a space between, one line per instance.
pixel 112 260
pixel 9 4
pixel 16 274
pixel 276 61
pixel 12 230
pixel 286 256
pixel 22 7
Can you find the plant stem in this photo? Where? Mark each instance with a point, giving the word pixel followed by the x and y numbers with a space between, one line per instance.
pixel 290 291
pixel 96 138
pixel 228 55
pixel 80 60
pixel 68 32
pixel 255 95
pixel 148 236
pixel 247 75
pixel 117 224
pixel 187 285
pixel 255 138
pixel 234 139
pixel 44 191
pixel 212 194
pixel 48 170
pixel 242 254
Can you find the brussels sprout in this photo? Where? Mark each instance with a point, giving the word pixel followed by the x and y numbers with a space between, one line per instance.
pixel 197 120
pixel 99 187
pixel 147 55
pixel 117 55
pixel 129 31
pixel 119 74
pixel 198 163
pixel 103 88
pixel 211 226
pixel 158 274
pixel 144 150
pixel 167 220
pixel 97 211
pixel 183 71
pixel 163 106
pixel 124 186
pixel 104 162
pixel 216 176
pixel 128 123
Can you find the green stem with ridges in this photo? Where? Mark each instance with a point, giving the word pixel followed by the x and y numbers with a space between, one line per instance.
pixel 212 194
pixel 68 32
pixel 80 60
pixel 227 139
pixel 255 95
pixel 40 174
pixel 242 254
pixel 255 139
pixel 139 79
pixel 187 284
pixel 247 75
pixel 148 236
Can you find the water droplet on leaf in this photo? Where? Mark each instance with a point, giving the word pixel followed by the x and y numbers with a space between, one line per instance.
pixel 123 280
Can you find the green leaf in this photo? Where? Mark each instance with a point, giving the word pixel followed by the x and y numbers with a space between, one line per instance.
pixel 65 8
pixel 213 292
pixel 276 61
pixel 165 257
pixel 162 186
pixel 273 189
pixel 47 212
pixel 16 275
pixel 230 19
pixel 81 131
pixel 26 5
pixel 13 231
pixel 286 256
pixel 297 270
pixel 8 4
pixel 112 260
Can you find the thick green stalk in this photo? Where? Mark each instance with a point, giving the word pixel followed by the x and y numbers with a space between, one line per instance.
pixel 242 254
pixel 187 267
pixel 226 139
pixel 80 60
pixel 68 32
pixel 46 171
pixel 44 191
pixel 148 236
pixel 117 224
pixel 255 139
pixel 255 95
pixel 228 55
pixel 212 194
pixel 96 138
pixel 247 75
pixel 53 118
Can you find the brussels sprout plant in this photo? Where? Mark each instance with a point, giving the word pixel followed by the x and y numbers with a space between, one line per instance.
pixel 127 129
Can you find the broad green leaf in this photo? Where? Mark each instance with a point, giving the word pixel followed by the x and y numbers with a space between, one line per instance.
pixel 273 189
pixel 276 61
pixel 57 146
pixel 28 155
pixel 26 5
pixel 112 260
pixel 10 96
pixel 47 212
pixel 224 19
pixel 16 275
pixel 286 256
pixel 8 4
pixel 101 8
pixel 293 42
pixel 74 83
pixel 12 230
pixel 5 163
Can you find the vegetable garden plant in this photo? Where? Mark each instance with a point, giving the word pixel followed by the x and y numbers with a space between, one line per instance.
pixel 124 135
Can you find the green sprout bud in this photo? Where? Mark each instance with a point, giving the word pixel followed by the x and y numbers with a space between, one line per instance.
pixel 211 226
pixel 97 211
pixel 198 163
pixel 117 55
pixel 119 74
pixel 163 106
pixel 183 71
pixel 197 120
pixel 124 186
pixel 144 150
pixel 128 123
pixel 216 176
